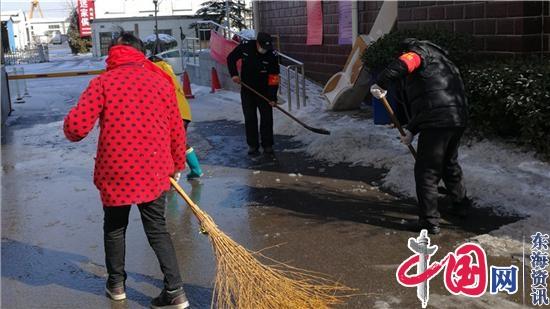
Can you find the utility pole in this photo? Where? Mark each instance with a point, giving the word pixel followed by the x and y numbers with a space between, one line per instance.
pixel 157 40
pixel 227 18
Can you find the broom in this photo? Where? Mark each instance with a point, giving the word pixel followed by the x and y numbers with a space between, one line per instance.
pixel 243 282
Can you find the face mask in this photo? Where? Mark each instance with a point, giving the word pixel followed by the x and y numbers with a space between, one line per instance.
pixel 261 50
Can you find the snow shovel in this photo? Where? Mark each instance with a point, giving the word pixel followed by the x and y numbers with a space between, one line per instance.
pixel 396 123
pixel 244 282
pixel 312 129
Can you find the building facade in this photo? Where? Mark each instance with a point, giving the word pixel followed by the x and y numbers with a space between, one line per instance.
pixel 137 17
pixel 109 9
pixel 20 29
pixel 104 29
pixel 43 29
pixel 503 28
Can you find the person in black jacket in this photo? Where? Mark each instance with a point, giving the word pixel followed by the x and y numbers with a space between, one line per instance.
pixel 435 93
pixel 260 70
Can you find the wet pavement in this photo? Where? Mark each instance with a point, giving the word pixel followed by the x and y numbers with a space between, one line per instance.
pixel 322 217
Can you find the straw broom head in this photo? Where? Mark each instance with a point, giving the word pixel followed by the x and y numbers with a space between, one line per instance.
pixel 243 282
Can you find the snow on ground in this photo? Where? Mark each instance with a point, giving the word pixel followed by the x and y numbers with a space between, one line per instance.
pixel 497 175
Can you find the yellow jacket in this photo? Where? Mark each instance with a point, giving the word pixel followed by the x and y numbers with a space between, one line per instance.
pixel 183 105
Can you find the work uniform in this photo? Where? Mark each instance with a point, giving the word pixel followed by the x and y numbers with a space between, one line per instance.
pixel 261 72
pixel 435 92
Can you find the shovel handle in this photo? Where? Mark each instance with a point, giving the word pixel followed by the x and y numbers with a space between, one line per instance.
pixel 396 123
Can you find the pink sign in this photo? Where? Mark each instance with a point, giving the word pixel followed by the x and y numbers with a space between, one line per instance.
pixel 314 23
pixel 220 47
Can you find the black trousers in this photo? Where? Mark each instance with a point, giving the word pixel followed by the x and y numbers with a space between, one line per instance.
pixel 152 216
pixel 437 159
pixel 251 104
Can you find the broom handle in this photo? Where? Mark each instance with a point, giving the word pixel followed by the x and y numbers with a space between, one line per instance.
pixel 187 199
pixel 396 123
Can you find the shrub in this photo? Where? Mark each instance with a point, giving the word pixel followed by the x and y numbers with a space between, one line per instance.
pixel 511 100
pixel 384 50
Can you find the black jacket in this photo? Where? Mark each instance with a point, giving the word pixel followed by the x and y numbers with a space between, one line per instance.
pixel 434 91
pixel 256 68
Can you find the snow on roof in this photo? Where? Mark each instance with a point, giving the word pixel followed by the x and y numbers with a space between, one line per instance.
pixel 48 20
pixel 12 13
pixel 162 37
pixel 249 34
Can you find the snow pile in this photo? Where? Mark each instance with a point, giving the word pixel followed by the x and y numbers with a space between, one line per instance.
pixel 496 175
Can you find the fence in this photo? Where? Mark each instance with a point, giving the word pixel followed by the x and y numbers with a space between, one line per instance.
pixel 37 54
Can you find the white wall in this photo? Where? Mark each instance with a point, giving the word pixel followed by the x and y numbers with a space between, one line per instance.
pixel 20 27
pixel 41 27
pixel 144 27
pixel 134 8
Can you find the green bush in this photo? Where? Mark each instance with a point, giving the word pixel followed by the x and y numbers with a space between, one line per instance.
pixel 510 100
pixel 384 50
pixel 76 43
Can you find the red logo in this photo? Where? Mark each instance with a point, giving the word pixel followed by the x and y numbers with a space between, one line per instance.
pixel 465 269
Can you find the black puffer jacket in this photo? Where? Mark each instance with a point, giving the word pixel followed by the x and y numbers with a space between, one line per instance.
pixel 434 90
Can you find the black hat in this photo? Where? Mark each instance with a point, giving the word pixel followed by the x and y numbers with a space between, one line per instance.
pixel 265 40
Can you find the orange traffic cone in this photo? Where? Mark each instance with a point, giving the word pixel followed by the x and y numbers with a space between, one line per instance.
pixel 187 86
pixel 215 81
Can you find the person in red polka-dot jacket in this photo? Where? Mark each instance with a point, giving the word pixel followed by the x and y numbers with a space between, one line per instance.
pixel 141 144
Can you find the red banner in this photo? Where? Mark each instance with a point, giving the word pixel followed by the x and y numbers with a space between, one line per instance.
pixel 86 12
pixel 314 22
pixel 220 47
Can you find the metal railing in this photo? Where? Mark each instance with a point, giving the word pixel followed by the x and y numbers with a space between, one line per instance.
pixel 191 50
pixel 296 66
pixel 37 54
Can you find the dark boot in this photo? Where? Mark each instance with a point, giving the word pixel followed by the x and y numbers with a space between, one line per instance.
pixel 461 209
pixel 253 151
pixel 420 225
pixel 175 299
pixel 268 150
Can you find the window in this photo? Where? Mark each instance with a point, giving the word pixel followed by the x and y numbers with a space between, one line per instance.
pixel 54 27
pixel 104 42
pixel 165 31
pixel 172 54
pixel 105 39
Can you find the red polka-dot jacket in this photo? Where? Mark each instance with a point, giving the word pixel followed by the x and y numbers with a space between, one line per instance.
pixel 141 139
